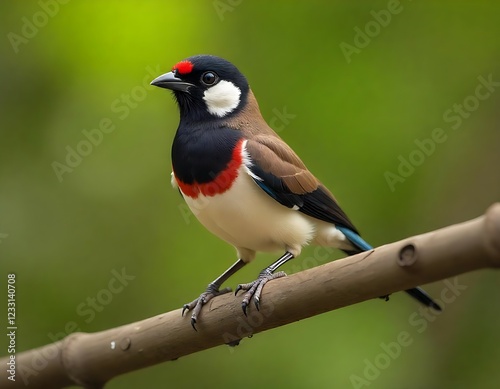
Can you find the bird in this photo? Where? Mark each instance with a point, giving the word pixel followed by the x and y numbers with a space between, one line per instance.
pixel 244 183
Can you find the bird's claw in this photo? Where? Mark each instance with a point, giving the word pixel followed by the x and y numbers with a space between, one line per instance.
pixel 256 301
pixel 198 303
pixel 254 289
pixel 244 306
pixel 184 308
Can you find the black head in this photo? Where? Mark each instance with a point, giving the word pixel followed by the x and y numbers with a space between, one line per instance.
pixel 206 87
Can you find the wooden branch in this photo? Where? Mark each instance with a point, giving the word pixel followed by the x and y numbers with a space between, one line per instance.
pixel 90 360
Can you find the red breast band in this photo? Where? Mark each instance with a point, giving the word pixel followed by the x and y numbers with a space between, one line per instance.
pixel 221 183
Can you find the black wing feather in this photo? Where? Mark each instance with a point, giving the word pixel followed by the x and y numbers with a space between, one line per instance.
pixel 318 203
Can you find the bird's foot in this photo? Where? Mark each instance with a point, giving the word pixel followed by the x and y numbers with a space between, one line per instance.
pixel 254 288
pixel 196 305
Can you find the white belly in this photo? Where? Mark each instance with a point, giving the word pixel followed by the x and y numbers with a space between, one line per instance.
pixel 249 219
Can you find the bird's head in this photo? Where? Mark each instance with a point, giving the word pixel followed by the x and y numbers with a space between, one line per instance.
pixel 206 87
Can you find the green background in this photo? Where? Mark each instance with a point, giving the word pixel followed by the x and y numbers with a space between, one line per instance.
pixel 116 208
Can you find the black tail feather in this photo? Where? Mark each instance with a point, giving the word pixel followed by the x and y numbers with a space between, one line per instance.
pixel 422 296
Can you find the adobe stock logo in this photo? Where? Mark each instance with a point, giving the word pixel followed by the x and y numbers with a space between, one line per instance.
pixel 363 37
pixel 399 346
pixel 3 236
pixel 224 6
pixel 455 116
pixel 86 310
pixel 31 26
pixel 121 109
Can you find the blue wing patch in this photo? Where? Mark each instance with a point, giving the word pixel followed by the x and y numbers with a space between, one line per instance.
pixel 266 189
pixel 354 238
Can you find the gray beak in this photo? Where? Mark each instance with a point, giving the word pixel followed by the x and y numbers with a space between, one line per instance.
pixel 169 81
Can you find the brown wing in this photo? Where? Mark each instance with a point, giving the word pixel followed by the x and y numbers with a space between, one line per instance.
pixel 276 157
pixel 283 176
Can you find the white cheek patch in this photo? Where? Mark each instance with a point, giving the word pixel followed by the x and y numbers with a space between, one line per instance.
pixel 222 98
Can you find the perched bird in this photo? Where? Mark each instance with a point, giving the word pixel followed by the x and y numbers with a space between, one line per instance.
pixel 243 182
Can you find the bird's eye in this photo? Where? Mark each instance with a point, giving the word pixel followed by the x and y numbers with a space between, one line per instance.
pixel 209 78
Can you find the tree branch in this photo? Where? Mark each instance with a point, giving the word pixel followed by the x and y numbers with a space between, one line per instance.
pixel 92 359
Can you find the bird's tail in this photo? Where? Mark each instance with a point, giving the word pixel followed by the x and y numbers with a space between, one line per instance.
pixel 361 245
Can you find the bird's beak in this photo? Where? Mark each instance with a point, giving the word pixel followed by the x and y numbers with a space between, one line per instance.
pixel 169 81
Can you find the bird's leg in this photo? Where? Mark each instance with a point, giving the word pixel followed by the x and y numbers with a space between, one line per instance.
pixel 212 291
pixel 254 289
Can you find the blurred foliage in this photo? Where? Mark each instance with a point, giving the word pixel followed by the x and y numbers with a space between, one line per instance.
pixel 88 61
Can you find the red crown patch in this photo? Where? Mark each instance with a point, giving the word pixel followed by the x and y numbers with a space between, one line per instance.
pixel 183 67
